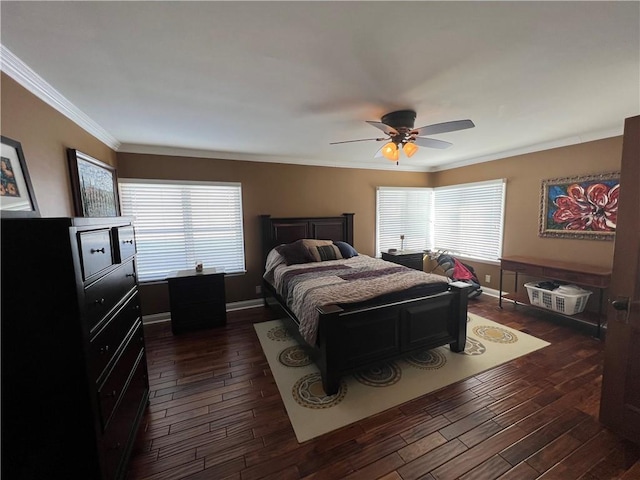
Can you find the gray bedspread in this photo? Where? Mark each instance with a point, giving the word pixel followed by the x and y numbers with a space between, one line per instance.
pixel 306 287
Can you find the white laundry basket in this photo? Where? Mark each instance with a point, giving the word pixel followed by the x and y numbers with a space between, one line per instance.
pixel 567 299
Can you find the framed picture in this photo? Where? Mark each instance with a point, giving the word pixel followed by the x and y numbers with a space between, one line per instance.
pixel 580 207
pixel 16 192
pixel 94 184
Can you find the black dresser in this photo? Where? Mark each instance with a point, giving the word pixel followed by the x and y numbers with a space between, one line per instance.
pixel 74 370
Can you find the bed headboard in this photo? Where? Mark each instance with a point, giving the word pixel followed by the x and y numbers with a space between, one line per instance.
pixel 275 231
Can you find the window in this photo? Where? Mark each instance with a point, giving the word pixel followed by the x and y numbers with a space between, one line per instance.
pixel 179 223
pixel 403 211
pixel 466 220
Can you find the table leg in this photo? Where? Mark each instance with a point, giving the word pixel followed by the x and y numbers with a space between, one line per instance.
pixel 500 296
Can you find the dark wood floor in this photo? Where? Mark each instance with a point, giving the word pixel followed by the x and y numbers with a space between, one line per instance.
pixel 215 413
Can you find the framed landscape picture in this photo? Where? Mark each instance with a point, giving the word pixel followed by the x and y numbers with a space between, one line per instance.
pixel 17 199
pixel 583 207
pixel 94 186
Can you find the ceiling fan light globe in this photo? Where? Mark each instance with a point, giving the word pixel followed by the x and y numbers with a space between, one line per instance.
pixel 410 149
pixel 390 151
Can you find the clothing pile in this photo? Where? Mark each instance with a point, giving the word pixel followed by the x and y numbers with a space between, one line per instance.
pixel 458 271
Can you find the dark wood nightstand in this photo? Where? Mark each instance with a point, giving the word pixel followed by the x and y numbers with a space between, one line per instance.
pixel 408 258
pixel 197 300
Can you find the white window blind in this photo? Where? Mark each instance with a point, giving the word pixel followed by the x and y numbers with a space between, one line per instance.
pixel 403 211
pixel 179 223
pixel 468 219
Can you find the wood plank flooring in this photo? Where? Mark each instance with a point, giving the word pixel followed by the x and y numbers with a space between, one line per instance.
pixel 215 413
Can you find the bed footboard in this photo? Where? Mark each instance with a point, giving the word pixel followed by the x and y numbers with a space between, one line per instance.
pixel 350 340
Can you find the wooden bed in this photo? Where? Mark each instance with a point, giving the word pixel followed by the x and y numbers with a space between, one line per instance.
pixel 351 339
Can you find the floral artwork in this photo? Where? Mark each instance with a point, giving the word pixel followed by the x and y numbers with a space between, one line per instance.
pixel 580 207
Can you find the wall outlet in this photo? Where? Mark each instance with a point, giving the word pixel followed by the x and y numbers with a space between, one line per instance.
pixel 487 278
pixel 258 289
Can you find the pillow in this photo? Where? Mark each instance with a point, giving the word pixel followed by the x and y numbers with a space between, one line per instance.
pixel 311 243
pixel 346 250
pixel 325 252
pixel 295 253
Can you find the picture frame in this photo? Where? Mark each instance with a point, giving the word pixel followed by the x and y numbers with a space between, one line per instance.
pixel 582 207
pixel 94 186
pixel 17 198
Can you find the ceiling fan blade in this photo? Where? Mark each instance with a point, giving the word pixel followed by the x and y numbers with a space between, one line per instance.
pixel 379 153
pixel 361 140
pixel 384 127
pixel 443 127
pixel 432 143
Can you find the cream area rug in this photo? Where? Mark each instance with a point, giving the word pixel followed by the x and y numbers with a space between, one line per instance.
pixel 365 393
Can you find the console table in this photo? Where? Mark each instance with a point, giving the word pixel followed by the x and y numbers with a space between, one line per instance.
pixel 576 273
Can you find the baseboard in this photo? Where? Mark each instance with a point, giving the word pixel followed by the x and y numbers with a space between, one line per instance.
pixel 166 316
pixel 492 292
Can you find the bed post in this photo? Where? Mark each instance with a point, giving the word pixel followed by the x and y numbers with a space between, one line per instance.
pixel 330 359
pixel 265 240
pixel 348 228
pixel 459 315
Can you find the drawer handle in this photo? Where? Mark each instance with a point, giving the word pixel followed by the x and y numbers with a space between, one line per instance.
pixel 130 275
pixel 111 394
pixel 104 349
pixel 100 302
pixel 97 250
pixel 128 241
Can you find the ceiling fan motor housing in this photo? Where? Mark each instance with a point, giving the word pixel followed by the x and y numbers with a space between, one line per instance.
pixel 400 119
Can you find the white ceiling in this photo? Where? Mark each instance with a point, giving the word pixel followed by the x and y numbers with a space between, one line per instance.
pixel 279 81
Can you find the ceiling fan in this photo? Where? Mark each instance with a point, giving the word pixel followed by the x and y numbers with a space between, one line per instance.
pixel 402 136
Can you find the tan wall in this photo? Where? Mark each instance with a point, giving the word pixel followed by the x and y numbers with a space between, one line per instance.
pixel 524 174
pixel 275 189
pixel 45 134
pixel 289 190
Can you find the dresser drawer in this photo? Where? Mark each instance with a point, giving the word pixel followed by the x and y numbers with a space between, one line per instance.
pixel 95 252
pixel 103 295
pixel 114 386
pixel 105 344
pixel 124 243
pixel 117 439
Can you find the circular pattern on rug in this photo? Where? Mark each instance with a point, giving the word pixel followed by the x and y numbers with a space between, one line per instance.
pixel 382 375
pixel 427 360
pixel 474 347
pixel 495 334
pixel 278 334
pixel 308 392
pixel 294 356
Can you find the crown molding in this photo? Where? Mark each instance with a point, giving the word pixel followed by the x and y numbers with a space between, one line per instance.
pixel 538 147
pixel 246 157
pixel 25 76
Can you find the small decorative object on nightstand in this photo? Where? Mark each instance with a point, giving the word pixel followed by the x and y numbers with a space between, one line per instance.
pixel 408 258
pixel 197 299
